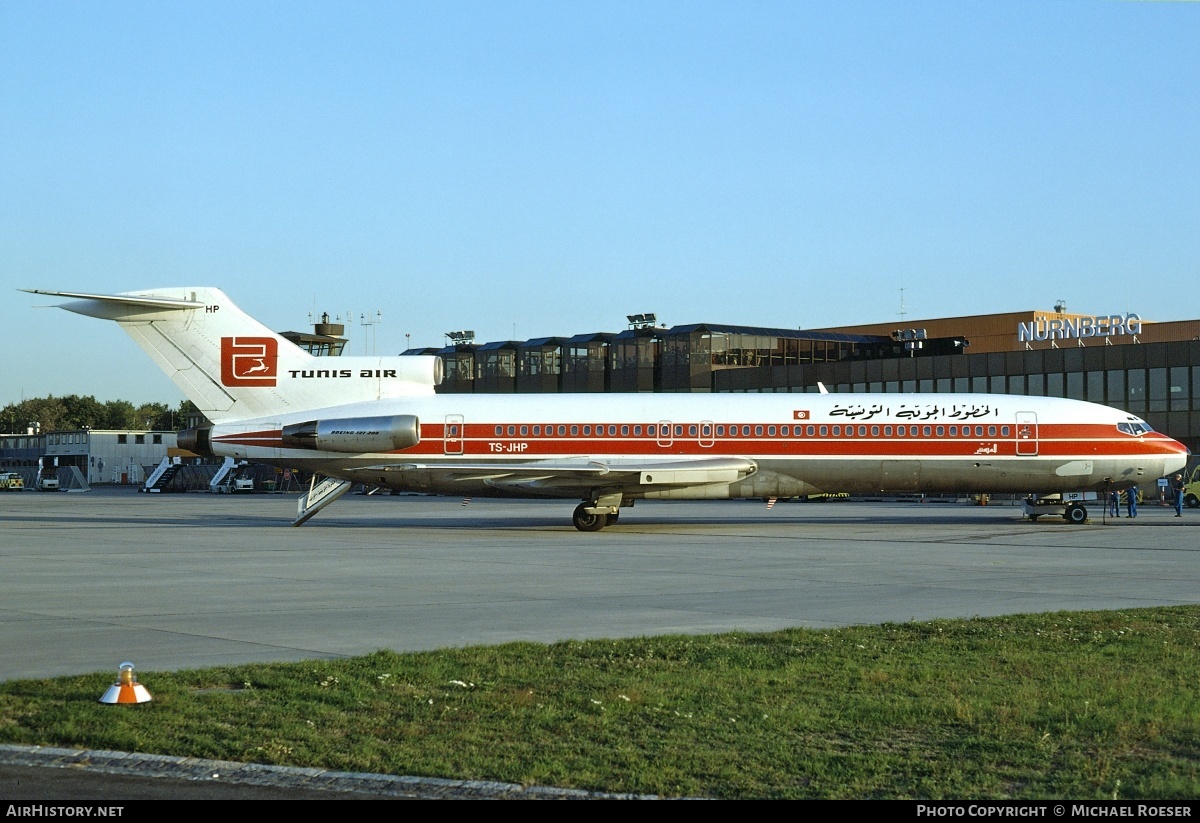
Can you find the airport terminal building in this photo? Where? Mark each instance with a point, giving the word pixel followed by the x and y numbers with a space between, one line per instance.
pixel 1149 369
pixel 101 456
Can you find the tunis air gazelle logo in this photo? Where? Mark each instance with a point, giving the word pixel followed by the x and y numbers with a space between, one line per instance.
pixel 249 361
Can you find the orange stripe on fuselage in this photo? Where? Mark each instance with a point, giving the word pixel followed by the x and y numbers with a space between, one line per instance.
pixel 1053 440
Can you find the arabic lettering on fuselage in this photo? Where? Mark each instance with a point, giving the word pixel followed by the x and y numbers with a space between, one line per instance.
pixel 915 411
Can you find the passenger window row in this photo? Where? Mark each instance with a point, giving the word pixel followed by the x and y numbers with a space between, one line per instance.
pixel 744 430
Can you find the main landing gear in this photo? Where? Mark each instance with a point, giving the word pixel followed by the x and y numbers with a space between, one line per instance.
pixel 594 515
pixel 586 521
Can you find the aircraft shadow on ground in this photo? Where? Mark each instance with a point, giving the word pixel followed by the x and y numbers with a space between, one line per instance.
pixel 541 521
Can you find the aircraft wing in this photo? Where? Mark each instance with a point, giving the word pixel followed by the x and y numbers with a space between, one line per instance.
pixel 584 474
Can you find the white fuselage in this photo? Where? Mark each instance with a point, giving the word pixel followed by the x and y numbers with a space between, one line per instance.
pixel 379 421
pixel 797 443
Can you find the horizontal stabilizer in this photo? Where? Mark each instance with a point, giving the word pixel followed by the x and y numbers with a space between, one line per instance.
pixel 103 305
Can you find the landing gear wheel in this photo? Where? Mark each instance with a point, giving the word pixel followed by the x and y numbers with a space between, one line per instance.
pixel 1075 513
pixel 585 521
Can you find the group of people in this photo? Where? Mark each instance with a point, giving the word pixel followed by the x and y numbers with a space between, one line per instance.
pixel 1114 502
pixel 1114 499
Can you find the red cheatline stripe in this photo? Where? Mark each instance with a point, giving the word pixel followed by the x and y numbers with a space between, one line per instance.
pixel 1080 441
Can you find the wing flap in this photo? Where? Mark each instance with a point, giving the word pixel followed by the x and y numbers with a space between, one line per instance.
pixel 532 473
pixel 690 476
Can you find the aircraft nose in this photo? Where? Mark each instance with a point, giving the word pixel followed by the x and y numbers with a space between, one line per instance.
pixel 1177 455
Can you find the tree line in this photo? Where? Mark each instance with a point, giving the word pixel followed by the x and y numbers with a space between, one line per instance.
pixel 75 412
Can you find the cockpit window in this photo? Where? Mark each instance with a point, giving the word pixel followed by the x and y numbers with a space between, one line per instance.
pixel 1136 428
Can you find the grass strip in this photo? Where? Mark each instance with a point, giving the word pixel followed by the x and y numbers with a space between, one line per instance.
pixel 1065 705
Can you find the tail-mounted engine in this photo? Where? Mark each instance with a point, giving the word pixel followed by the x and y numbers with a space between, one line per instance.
pixel 197 441
pixel 355 434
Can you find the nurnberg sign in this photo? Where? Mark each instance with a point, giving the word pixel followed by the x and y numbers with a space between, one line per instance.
pixel 1103 325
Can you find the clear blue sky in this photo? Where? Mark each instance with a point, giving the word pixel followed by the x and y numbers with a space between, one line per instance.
pixel 532 169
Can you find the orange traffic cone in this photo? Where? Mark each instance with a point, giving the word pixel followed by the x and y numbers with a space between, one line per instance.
pixel 126 689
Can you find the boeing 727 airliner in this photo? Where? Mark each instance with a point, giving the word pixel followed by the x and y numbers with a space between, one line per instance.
pixel 378 421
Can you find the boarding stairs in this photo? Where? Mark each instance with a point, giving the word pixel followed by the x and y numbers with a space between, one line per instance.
pixel 222 474
pixel 319 496
pixel 162 475
pixel 76 482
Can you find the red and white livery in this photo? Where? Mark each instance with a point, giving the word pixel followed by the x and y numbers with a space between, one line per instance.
pixel 377 420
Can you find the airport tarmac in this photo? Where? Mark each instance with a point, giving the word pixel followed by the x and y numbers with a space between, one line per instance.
pixel 179 581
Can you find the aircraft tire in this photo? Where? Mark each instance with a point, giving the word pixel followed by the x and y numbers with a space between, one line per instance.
pixel 1075 513
pixel 585 521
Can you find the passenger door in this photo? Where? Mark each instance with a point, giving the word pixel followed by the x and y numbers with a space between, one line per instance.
pixel 1027 434
pixel 453 434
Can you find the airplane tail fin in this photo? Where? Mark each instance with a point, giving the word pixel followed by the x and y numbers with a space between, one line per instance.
pixel 233 367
